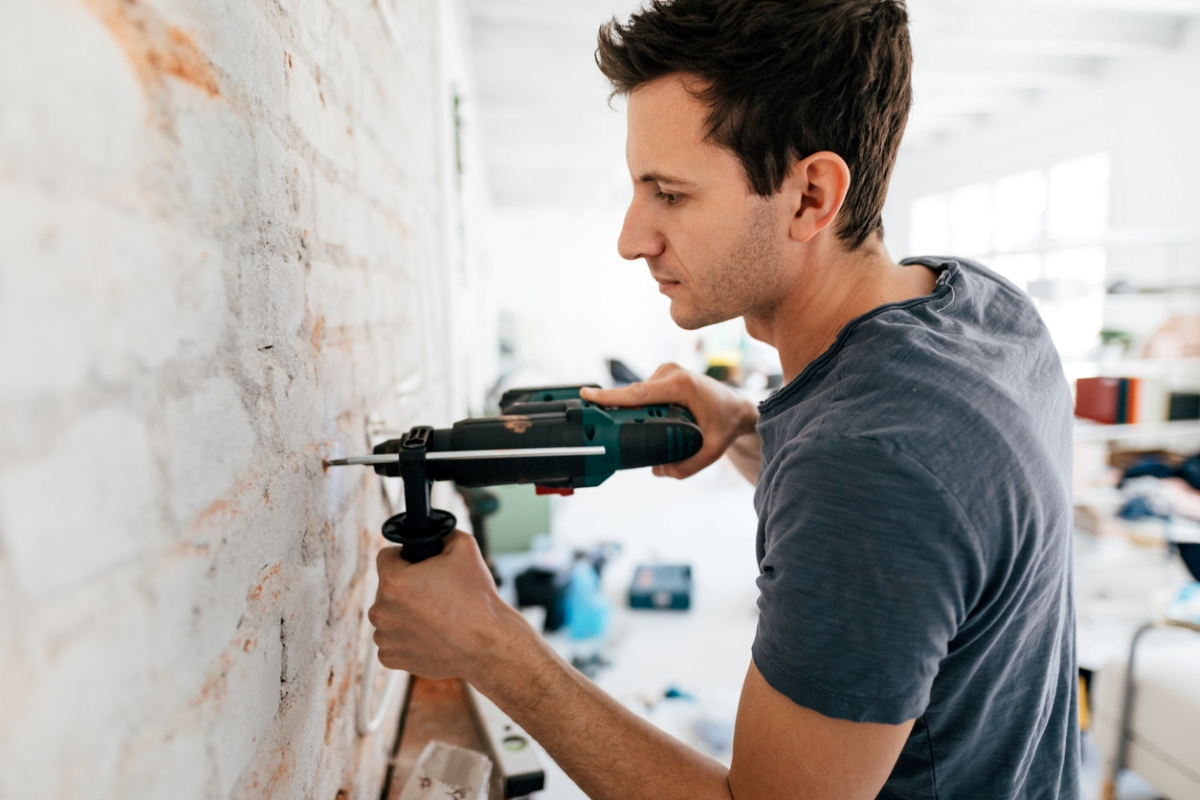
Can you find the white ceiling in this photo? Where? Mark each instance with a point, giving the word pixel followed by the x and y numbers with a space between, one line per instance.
pixel 550 138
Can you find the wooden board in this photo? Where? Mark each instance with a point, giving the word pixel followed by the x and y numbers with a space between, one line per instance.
pixel 436 710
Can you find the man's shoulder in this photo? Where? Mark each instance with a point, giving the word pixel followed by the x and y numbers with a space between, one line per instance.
pixel 964 368
pixel 970 401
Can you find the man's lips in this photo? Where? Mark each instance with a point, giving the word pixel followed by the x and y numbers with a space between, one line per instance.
pixel 665 284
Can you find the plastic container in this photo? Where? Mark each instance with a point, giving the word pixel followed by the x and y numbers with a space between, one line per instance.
pixel 587 609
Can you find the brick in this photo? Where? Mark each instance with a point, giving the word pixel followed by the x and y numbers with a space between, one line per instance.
pixel 251 699
pixel 92 682
pixel 342 217
pixel 336 294
pixel 298 418
pixel 318 119
pixel 210 442
pixel 272 289
pixel 72 116
pixel 82 506
pixel 114 292
pixel 174 764
pixel 215 161
pixel 243 42
pixel 300 206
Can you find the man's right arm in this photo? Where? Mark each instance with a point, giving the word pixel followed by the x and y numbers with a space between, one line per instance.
pixel 726 419
pixel 443 617
pixel 746 454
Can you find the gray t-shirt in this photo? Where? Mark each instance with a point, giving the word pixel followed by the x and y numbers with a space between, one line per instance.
pixel 914 540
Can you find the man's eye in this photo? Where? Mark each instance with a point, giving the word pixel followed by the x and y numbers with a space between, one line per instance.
pixel 671 199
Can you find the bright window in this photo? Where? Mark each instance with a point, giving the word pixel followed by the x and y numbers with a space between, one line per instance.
pixel 1020 209
pixel 1041 229
pixel 971 220
pixel 930 232
pixel 1078 199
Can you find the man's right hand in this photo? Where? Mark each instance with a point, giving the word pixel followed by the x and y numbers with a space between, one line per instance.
pixel 722 414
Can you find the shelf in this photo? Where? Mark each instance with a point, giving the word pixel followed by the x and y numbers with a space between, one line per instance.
pixel 1129 367
pixel 1096 432
pixel 1177 294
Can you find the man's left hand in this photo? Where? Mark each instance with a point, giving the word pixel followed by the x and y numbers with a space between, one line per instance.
pixel 441 617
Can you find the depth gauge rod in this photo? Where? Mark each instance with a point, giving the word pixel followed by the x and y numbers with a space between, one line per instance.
pixel 471 455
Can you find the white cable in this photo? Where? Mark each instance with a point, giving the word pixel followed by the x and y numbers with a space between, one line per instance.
pixel 367 721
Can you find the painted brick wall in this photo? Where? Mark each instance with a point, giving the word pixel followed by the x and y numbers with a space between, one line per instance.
pixel 226 240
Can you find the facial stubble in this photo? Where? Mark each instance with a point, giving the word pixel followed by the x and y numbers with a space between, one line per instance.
pixel 748 279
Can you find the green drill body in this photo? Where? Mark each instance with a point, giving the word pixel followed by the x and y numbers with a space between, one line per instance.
pixel 558 417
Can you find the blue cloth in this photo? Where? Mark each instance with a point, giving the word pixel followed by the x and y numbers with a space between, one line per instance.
pixel 1137 508
pixel 914 540
pixel 1190 471
pixel 1147 468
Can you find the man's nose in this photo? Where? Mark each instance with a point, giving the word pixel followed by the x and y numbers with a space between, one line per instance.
pixel 639 235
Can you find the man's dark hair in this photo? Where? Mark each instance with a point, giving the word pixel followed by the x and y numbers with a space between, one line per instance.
pixel 783 79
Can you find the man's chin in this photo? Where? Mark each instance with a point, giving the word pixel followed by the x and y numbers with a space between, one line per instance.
pixel 691 319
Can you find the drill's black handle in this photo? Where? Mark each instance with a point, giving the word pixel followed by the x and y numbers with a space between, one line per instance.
pixel 421 530
pixel 414 552
pixel 422 541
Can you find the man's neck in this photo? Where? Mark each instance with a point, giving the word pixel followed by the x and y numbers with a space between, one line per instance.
pixel 827 294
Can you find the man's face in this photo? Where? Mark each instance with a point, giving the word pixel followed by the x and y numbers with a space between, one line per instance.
pixel 714 246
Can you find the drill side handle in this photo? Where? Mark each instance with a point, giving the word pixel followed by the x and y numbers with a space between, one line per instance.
pixel 420 530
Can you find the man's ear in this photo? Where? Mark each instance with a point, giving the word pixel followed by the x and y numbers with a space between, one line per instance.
pixel 815 188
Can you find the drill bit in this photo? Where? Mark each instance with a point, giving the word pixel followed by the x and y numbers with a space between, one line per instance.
pixel 382 458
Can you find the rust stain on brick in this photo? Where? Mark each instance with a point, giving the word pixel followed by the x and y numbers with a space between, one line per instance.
pixel 318 332
pixel 188 549
pixel 335 703
pixel 218 508
pixel 279 776
pixel 154 47
pixel 257 591
pixel 215 684
pixel 393 220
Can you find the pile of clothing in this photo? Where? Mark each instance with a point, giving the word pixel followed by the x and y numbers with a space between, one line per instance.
pixel 1156 489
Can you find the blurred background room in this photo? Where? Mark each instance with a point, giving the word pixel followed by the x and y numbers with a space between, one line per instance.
pixel 240 236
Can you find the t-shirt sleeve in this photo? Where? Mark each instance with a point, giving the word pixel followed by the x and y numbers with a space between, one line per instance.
pixel 867 567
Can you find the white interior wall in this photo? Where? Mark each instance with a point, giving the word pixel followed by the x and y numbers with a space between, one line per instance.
pixel 471 312
pixel 229 235
pixel 1143 112
pixel 573 301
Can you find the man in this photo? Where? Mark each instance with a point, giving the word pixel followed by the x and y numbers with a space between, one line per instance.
pixel 916 627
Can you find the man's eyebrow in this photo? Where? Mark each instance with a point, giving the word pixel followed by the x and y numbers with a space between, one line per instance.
pixel 658 177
